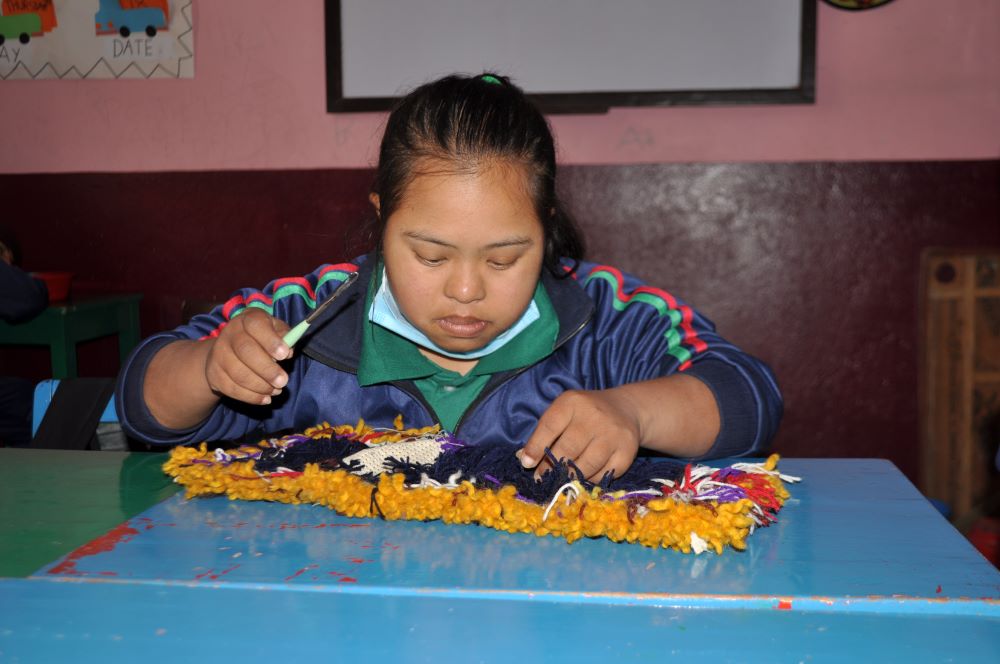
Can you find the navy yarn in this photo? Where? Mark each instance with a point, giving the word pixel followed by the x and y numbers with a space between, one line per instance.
pixel 489 464
pixel 328 452
pixel 500 463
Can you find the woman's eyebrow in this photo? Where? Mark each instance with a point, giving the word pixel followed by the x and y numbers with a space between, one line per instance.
pixel 416 235
pixel 517 240
pixel 509 242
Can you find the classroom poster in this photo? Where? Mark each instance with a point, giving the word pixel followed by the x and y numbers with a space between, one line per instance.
pixel 72 39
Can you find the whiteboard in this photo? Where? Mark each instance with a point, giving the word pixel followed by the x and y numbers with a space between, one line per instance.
pixel 583 55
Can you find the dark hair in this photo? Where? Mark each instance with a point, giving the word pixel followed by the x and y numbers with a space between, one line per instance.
pixel 464 121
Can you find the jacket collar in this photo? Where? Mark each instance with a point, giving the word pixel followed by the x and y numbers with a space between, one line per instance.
pixel 573 306
pixel 339 345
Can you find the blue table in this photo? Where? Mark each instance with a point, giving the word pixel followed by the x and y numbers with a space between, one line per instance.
pixel 859 567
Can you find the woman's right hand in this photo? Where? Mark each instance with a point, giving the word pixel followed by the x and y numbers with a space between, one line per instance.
pixel 243 361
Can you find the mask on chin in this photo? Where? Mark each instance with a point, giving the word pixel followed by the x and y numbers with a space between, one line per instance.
pixel 385 313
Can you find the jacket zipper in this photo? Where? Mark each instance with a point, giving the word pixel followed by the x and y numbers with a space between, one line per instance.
pixel 416 394
pixel 483 395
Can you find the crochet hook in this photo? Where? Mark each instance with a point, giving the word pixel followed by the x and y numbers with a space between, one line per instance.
pixel 294 334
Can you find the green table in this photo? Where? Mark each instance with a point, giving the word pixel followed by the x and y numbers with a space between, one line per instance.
pixel 52 501
pixel 64 324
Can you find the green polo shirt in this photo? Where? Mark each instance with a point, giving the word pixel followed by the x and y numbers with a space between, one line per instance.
pixel 387 357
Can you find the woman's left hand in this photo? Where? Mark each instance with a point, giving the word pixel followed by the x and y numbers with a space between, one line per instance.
pixel 598 430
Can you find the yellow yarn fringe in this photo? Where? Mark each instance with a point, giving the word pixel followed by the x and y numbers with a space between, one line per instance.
pixel 667 523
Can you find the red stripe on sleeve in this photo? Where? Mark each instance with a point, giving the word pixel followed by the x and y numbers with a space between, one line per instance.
pixel 260 296
pixel 231 303
pixel 339 267
pixel 214 333
pixel 690 336
pixel 299 281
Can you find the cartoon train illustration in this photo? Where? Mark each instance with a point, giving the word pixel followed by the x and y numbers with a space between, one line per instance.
pixel 24 19
pixel 127 16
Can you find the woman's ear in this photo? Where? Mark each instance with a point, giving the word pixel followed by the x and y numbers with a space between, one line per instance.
pixel 376 203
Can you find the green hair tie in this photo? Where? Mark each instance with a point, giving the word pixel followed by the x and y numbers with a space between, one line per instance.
pixel 491 79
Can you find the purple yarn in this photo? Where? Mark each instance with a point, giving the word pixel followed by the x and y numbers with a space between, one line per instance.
pixel 723 494
pixel 489 477
pixel 449 443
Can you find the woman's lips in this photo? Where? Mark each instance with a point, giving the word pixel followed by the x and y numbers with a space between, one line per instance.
pixel 462 326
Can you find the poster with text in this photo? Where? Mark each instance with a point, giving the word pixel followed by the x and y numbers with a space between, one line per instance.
pixel 70 39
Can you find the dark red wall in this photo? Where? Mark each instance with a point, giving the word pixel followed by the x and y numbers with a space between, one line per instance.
pixel 811 266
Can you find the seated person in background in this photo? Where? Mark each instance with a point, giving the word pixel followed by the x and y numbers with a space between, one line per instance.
pixel 21 298
pixel 476 311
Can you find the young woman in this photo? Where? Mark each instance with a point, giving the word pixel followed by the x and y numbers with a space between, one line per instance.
pixel 475 311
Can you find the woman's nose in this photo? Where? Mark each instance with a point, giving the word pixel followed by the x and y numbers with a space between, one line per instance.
pixel 465 285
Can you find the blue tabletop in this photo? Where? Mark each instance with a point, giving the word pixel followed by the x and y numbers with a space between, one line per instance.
pixel 63 621
pixel 858 560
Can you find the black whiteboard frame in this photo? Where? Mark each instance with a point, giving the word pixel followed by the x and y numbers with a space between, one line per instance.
pixel 595 102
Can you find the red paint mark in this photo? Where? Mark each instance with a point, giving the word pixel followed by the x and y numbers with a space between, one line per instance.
pixel 292 526
pixel 215 577
pixel 103 544
pixel 343 577
pixel 149 525
pixel 938 591
pixel 301 571
pixel 785 605
pixel 359 560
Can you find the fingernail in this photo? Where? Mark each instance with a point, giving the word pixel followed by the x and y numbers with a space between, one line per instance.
pixel 266 400
pixel 527 461
pixel 280 381
pixel 275 392
pixel 282 352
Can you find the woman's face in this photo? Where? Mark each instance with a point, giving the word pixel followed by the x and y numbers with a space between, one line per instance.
pixel 463 253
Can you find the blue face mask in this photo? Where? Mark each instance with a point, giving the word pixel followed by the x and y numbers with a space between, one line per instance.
pixel 385 313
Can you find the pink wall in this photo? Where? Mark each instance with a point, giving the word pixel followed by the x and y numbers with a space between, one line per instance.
pixel 918 79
